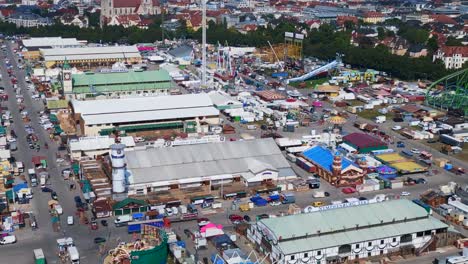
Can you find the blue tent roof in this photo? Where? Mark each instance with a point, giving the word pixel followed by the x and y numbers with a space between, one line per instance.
pixel 20 186
pixel 324 158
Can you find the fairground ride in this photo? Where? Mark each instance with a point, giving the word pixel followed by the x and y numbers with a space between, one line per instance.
pixel 450 93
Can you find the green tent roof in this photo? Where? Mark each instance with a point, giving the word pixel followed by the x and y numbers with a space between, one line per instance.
pixel 127 201
pixel 121 81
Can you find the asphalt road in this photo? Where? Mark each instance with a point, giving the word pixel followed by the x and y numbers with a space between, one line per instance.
pixel 44 237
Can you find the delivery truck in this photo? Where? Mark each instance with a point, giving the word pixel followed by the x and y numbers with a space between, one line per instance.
pixel 259 201
pixel 39 257
pixel 123 220
pixel 32 177
pixel 288 198
pixel 74 255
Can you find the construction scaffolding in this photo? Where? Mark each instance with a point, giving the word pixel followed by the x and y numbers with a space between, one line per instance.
pixel 450 93
pixel 293 43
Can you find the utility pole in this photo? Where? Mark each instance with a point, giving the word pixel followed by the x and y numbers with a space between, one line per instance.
pixel 203 83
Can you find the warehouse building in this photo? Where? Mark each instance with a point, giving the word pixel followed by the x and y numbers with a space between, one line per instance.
pixel 95 146
pixel 248 163
pixel 340 233
pixel 30 47
pixel 188 113
pixel 89 57
pixel 364 143
pixel 115 84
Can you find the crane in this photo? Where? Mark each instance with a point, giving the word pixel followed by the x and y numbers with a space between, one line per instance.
pixel 274 52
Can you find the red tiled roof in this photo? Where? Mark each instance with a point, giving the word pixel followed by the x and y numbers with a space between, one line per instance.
pixel 340 20
pixel 312 21
pixel 444 19
pixel 126 3
pixel 7 12
pixel 362 140
pixel 449 51
pixel 373 14
pixel 250 27
pixel 196 19
pixel 126 19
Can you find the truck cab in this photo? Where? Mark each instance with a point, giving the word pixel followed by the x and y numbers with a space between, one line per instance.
pixel 74 255
pixel 122 220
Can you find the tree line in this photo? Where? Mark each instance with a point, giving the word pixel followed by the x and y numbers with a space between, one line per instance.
pixel 323 43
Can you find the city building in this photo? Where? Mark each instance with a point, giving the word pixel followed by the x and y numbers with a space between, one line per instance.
pixel 115 84
pixel 88 57
pixel 453 57
pixel 111 8
pixel 29 20
pixel 335 169
pixel 340 233
pixel 189 113
pixel 247 163
pixel 373 17
pixel 364 143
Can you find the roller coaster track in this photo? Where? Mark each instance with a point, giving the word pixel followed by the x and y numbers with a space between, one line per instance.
pixel 450 92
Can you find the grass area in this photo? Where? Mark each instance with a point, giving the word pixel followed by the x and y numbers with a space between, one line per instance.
pixel 437 146
pixel 372 113
pixel 310 83
pixel 355 103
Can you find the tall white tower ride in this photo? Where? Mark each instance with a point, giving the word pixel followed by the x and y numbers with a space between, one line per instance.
pixel 203 2
pixel 118 167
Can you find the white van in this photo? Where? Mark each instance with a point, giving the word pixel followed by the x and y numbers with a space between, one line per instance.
pixel 74 255
pixel 8 240
pixel 123 220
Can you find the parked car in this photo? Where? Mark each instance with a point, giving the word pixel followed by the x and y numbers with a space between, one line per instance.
pixel 235 219
pixel 405 193
pixel 396 128
pixel 415 151
pixel 94 225
pixel 400 144
pixel 275 203
pixel 46 189
pixel 262 216
pixel 203 221
pixel 421 181
pixel 348 190
pixel 99 240
pixel 247 218
pixel 10 239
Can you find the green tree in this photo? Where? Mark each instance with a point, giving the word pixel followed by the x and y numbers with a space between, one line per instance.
pixel 451 41
pixel 432 44
pixel 381 33
pixel 94 18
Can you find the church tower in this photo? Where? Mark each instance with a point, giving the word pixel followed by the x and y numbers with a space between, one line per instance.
pixel 67 86
pixel 337 164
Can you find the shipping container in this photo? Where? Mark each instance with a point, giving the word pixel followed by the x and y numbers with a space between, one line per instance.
pixel 305 165
pixel 279 75
pixel 447 139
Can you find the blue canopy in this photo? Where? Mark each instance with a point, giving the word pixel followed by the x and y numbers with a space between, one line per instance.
pixel 20 186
